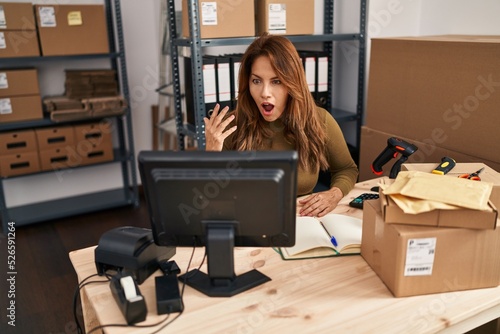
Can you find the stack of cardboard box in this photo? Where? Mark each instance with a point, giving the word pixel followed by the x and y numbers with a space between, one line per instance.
pixel 19 95
pixel 435 251
pixel 246 18
pixel 440 93
pixel 18 35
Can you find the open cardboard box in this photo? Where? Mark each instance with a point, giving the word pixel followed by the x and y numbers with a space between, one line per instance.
pixel 465 218
pixel 487 175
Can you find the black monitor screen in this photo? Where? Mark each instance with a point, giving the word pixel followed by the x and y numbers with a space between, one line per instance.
pixel 221 200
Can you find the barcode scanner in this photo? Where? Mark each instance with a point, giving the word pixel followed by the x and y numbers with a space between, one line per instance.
pixel 394 147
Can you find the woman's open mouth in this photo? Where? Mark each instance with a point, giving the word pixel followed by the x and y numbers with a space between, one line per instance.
pixel 268 108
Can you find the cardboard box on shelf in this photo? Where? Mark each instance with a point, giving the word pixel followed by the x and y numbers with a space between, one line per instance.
pixel 488 174
pixel 18 82
pixel 19 164
pixel 222 19
pixel 55 137
pixel 430 151
pixel 72 29
pixel 59 158
pixel 94 142
pixel 17 142
pixel 19 43
pixel 16 16
pixel 415 260
pixel 285 17
pixel 20 108
pixel 437 86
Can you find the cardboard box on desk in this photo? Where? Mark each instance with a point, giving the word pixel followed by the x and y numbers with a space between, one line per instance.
pixel 445 84
pixel 285 17
pixel 487 175
pixel 465 218
pixel 415 260
pixel 72 29
pixel 220 19
pixel 429 151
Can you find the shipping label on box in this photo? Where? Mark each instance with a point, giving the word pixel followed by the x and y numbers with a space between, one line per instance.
pixel 415 260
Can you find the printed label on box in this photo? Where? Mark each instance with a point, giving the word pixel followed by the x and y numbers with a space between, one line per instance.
pixel 420 256
pixel 4 84
pixel 3 22
pixel 277 18
pixel 209 13
pixel 3 45
pixel 47 17
pixel 5 106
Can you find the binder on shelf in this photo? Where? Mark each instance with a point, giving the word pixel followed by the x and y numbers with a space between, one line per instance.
pixel 223 74
pixel 310 69
pixel 322 62
pixel 316 70
pixel 235 63
pixel 209 87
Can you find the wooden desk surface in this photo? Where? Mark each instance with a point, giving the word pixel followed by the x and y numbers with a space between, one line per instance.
pixel 328 295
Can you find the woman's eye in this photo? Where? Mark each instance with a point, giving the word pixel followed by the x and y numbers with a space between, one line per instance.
pixel 277 82
pixel 255 81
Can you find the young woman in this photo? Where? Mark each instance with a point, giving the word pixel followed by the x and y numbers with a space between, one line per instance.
pixel 276 111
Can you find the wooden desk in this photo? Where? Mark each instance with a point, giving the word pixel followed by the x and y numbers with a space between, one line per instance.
pixel 329 295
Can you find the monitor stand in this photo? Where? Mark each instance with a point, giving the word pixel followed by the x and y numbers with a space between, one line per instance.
pixel 221 280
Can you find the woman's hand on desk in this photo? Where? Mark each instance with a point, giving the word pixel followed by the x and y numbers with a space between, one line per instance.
pixel 320 203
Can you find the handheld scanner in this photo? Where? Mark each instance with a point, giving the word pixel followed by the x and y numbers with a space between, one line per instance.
pixel 394 147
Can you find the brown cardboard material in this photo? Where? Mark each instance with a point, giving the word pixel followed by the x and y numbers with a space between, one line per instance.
pixel 20 108
pixel 94 143
pixel 18 82
pixel 461 259
pixel 55 137
pixel 440 88
pixel 19 43
pixel 18 16
pixel 231 19
pixel 285 17
pixel 374 141
pixel 72 29
pixel 465 218
pixel 59 158
pixel 17 142
pixel 488 174
pixel 19 164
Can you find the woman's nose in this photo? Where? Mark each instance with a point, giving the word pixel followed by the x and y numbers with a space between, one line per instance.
pixel 266 91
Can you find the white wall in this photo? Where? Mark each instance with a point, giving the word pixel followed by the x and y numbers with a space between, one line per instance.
pixel 141 24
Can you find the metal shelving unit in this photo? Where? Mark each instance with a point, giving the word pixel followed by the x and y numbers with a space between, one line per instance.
pixel 196 44
pixel 124 155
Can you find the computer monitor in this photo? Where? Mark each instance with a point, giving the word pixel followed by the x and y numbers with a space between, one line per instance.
pixel 221 200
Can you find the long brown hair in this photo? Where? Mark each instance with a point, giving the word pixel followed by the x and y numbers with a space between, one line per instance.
pixel 303 129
